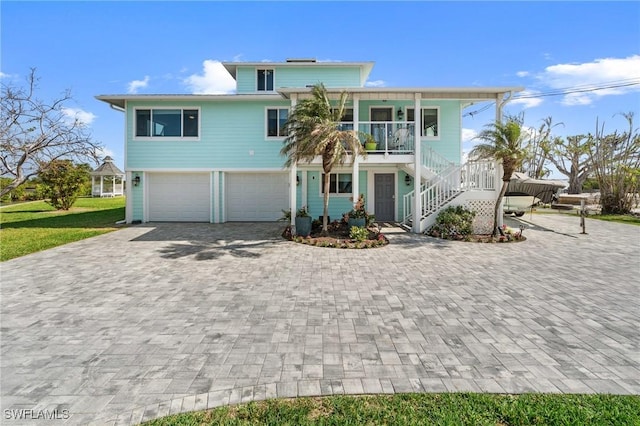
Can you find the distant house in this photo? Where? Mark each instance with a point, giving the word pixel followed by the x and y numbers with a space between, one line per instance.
pixel 215 158
pixel 107 180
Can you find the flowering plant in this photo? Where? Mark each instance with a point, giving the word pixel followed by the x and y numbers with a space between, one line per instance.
pixel 302 212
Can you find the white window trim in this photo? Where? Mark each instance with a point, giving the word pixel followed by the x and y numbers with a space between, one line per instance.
pixel 335 194
pixel 167 138
pixel 255 80
pixel 422 108
pixel 266 122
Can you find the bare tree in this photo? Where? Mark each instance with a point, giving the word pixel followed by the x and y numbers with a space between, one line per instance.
pixel 616 165
pixel 537 150
pixel 571 158
pixel 33 133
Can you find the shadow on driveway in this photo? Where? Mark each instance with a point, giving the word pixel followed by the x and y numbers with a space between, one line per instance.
pixel 205 241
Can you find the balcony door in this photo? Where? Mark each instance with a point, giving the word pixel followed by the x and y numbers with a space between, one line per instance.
pixel 381 131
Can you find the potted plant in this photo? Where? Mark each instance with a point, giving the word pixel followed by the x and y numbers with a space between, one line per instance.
pixel 357 216
pixel 370 143
pixel 303 222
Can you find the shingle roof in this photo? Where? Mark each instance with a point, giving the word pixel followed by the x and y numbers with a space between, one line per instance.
pixel 107 168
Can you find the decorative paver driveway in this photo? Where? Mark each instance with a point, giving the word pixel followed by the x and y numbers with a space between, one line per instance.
pixel 152 320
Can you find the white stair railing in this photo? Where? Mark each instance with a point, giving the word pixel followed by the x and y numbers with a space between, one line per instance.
pixel 447 185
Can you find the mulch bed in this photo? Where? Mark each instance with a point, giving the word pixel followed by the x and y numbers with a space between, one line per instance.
pixel 337 237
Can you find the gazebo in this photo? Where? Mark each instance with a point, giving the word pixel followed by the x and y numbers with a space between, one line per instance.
pixel 111 181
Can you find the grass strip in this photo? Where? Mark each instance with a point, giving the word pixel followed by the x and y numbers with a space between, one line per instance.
pixel 423 409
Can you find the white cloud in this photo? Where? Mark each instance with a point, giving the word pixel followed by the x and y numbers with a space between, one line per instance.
pixel 468 135
pixel 522 73
pixel 603 72
pixel 214 80
pixel 136 85
pixel 104 152
pixel 237 58
pixel 375 83
pixel 528 101
pixel 3 75
pixel 84 118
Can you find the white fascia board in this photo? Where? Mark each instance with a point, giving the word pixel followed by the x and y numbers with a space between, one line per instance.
pixel 462 93
pixel 120 100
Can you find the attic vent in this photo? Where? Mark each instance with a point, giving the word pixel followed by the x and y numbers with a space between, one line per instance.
pixel 304 60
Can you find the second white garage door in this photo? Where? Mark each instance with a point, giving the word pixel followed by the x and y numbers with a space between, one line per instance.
pixel 179 197
pixel 255 197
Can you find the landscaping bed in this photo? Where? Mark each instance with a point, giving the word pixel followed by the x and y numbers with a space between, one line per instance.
pixel 340 235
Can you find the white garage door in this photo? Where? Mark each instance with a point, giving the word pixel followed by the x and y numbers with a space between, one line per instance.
pixel 256 196
pixel 179 197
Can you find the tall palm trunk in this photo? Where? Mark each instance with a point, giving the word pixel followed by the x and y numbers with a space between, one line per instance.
pixel 325 215
pixel 496 212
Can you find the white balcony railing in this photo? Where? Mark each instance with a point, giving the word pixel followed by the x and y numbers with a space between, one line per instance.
pixel 390 136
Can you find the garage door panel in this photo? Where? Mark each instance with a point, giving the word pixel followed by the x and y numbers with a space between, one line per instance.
pixel 179 197
pixel 256 196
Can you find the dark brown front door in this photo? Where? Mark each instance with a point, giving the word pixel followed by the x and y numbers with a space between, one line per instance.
pixel 384 196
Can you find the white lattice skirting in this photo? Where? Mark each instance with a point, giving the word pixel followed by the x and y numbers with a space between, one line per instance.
pixel 483 222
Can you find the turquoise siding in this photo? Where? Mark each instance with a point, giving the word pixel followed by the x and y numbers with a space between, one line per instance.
pixel 292 76
pixel 136 193
pixel 338 205
pixel 449 144
pixel 403 190
pixel 232 135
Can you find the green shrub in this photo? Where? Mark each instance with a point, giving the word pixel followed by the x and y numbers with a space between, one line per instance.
pixel 453 222
pixel 358 233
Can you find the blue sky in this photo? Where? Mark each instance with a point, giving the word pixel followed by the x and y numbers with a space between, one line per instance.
pixel 117 47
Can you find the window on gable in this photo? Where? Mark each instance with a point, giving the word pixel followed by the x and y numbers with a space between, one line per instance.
pixel 265 80
pixel 160 123
pixel 339 183
pixel 430 121
pixel 276 119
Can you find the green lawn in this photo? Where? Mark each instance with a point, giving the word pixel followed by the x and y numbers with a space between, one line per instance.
pixel 31 227
pixel 620 218
pixel 424 409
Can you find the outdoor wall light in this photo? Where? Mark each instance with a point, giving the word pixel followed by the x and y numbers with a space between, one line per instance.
pixel 136 180
pixel 400 113
pixel 297 180
pixel 407 180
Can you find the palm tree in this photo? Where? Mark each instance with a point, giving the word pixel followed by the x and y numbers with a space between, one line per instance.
pixel 313 129
pixel 503 142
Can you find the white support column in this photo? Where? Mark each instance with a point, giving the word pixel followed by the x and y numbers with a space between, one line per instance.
pixel 355 181
pixel 216 197
pixel 293 173
pixel 417 199
pixel 355 184
pixel 93 184
pixel 101 185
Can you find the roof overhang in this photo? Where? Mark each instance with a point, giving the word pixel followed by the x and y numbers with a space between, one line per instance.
pixel 404 93
pixel 119 101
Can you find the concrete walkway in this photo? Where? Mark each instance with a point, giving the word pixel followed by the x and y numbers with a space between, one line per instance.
pixel 166 318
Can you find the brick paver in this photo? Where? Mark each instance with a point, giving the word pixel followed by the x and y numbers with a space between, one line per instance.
pixel 166 318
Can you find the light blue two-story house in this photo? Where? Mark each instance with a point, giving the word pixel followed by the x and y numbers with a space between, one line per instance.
pixel 215 158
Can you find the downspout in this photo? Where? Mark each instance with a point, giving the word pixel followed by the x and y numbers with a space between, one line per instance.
pixel 500 104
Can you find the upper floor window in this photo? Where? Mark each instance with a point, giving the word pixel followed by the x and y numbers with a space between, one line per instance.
pixel 276 119
pixel 177 123
pixel 430 121
pixel 346 122
pixel 265 80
